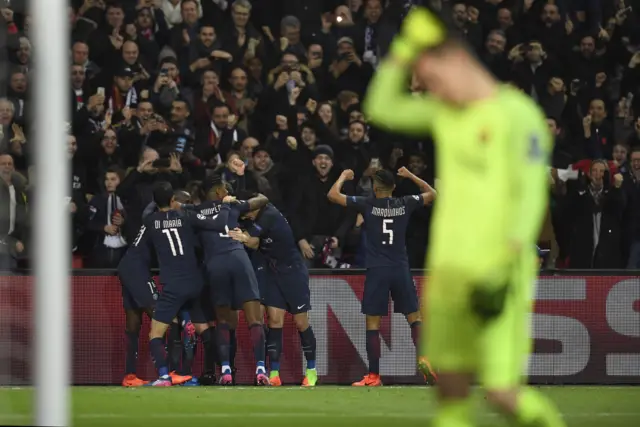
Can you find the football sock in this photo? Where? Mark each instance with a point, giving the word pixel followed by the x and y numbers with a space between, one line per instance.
pixel 233 347
pixel 256 331
pixel 131 359
pixel 222 342
pixel 184 317
pixel 453 413
pixel 535 410
pixel 373 351
pixel 266 334
pixel 274 348
pixel 415 332
pixel 308 343
pixel 175 347
pixel 156 347
pixel 208 344
pixel 189 357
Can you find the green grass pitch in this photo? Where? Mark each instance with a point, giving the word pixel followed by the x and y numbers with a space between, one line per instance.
pixel 294 406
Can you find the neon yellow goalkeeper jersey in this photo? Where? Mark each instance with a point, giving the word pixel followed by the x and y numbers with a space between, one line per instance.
pixel 492 168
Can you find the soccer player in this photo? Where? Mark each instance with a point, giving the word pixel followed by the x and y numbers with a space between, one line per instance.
pixel 284 285
pixel 173 235
pixel 492 151
pixel 139 295
pixel 232 279
pixel 385 224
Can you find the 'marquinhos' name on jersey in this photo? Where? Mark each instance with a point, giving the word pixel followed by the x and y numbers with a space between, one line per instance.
pixel 388 212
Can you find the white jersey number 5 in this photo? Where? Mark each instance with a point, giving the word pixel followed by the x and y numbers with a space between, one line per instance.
pixel 387 225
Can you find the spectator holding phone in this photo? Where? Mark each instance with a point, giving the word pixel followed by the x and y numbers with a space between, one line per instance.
pixel 348 71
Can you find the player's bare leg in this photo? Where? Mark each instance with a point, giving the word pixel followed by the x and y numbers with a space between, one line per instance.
pixel 454 402
pixel 133 322
pixel 275 320
pixel 156 347
pixel 253 317
pixel 308 344
pixel 415 323
pixel 372 379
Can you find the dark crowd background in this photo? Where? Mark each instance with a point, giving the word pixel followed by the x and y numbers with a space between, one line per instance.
pixel 268 92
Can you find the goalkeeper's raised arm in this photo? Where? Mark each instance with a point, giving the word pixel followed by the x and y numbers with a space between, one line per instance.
pixel 419 48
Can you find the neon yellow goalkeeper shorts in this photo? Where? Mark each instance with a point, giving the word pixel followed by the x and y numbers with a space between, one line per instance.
pixel 457 341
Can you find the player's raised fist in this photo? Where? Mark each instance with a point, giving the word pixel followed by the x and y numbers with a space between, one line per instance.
pixel 617 180
pixel 347 175
pixel 404 172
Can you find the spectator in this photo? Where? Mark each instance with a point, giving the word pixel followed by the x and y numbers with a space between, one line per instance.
pixel 269 177
pixel 632 219
pixel 13 214
pixel 597 208
pixel 315 221
pixel 348 71
pixel 80 56
pixel 598 131
pixel 107 221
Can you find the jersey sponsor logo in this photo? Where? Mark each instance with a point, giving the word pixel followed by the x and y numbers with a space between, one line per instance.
pixel 416 197
pixel 201 217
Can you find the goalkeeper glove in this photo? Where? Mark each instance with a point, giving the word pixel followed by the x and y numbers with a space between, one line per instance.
pixel 420 30
pixel 488 304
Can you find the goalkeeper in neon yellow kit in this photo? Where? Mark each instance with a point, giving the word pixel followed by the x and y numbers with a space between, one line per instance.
pixel 492 149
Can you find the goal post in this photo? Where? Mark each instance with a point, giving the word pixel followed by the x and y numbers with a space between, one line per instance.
pixel 51 241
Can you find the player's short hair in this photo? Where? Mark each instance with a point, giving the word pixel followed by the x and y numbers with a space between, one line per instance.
pixel 162 194
pixel 384 178
pixel 182 196
pixel 212 182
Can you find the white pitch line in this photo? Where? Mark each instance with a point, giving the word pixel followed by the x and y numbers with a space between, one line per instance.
pixel 304 415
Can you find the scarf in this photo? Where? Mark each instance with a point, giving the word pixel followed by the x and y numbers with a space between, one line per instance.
pixel 116 102
pixel 114 205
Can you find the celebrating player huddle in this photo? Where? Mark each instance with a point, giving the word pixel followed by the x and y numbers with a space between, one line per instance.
pixel 201 297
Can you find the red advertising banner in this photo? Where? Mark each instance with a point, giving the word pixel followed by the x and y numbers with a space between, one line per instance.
pixel 586 330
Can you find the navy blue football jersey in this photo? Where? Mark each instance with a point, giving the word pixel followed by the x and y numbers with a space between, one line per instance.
pixel 140 250
pixel 220 242
pixel 385 226
pixel 277 243
pixel 173 235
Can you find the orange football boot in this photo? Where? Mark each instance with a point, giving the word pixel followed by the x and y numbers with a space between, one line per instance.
pixel 369 380
pixel 275 381
pixel 131 380
pixel 179 379
pixel 430 376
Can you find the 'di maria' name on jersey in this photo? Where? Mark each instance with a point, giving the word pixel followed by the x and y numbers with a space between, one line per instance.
pixel 387 212
pixel 167 223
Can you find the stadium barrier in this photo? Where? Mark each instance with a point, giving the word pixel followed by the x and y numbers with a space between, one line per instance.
pixel 586 330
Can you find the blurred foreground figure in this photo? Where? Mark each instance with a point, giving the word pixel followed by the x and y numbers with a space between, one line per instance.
pixel 493 148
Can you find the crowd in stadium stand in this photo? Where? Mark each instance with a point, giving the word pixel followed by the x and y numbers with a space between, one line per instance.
pixel 267 93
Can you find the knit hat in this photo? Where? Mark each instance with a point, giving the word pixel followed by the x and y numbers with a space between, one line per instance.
pixel 323 149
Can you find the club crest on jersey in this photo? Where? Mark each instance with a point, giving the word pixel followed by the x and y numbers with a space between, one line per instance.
pixel 484 136
pixel 535 150
pixel 201 217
